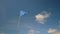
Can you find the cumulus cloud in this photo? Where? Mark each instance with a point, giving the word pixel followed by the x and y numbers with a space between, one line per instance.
pixel 31 31
pixel 53 31
pixel 41 18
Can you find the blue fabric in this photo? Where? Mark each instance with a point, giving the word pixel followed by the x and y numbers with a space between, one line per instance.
pixel 22 13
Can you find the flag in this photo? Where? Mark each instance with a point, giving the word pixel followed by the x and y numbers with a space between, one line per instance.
pixel 22 13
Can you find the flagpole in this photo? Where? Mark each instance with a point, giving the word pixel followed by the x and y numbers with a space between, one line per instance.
pixel 18 25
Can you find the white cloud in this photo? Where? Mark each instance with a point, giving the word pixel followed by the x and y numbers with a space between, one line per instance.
pixel 2 33
pixel 41 18
pixel 31 31
pixel 53 31
pixel 38 32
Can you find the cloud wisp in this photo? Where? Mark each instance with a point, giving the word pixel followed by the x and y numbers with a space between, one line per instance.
pixel 53 31
pixel 59 21
pixel 31 31
pixel 2 33
pixel 41 18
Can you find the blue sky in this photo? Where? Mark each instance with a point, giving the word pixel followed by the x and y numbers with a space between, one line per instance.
pixel 43 16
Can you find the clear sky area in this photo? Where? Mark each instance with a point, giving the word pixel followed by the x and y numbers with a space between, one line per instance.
pixel 33 16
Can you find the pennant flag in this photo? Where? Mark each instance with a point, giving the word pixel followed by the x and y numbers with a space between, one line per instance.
pixel 22 13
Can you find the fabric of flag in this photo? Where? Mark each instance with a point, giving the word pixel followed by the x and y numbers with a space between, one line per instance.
pixel 22 13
